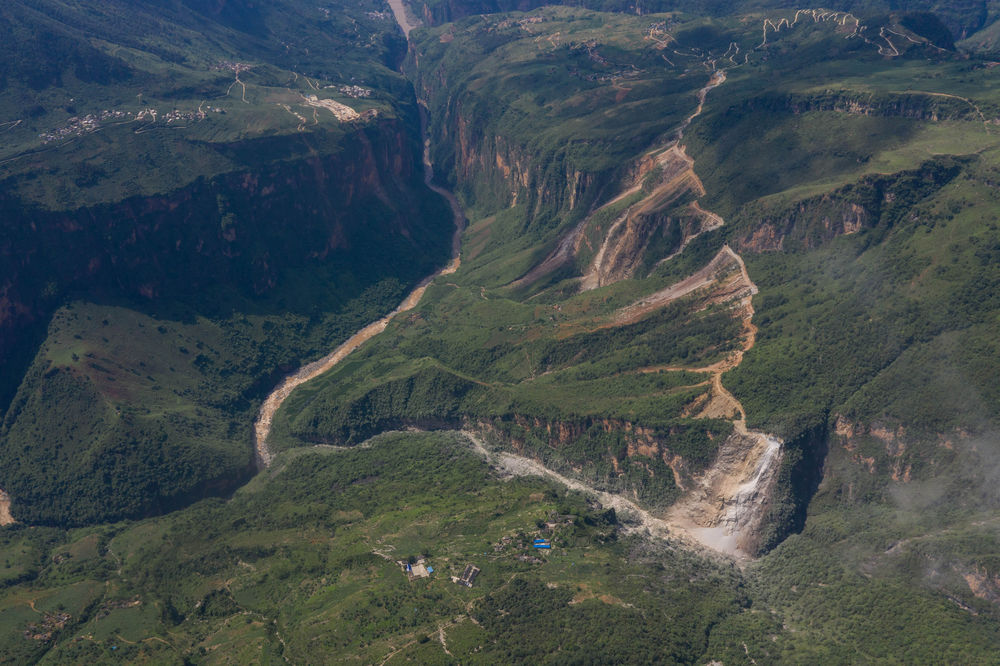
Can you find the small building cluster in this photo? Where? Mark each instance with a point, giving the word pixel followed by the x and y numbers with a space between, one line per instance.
pixel 355 91
pixel 80 125
pixel 49 625
pixel 342 112
pixel 520 23
pixel 468 576
pixel 420 569
pixel 232 66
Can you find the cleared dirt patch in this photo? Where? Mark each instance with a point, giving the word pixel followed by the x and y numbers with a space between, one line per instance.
pixel 5 516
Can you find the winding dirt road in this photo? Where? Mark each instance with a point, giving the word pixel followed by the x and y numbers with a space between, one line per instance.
pixel 516 465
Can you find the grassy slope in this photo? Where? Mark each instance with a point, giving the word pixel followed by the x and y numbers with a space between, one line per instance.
pixel 880 572
pixel 63 63
pixel 290 568
pixel 889 329
pixel 299 566
pixel 473 349
pixel 950 20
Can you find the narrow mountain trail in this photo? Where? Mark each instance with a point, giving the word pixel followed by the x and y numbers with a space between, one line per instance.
pixel 712 222
pixel 517 465
pixel 975 107
pixel 818 16
pixel 841 19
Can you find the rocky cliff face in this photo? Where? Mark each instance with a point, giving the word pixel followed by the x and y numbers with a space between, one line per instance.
pixel 244 230
pixel 493 170
pixel 727 508
pixel 639 461
pixel 490 168
pixel 873 201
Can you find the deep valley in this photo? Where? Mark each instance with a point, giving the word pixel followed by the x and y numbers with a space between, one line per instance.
pixel 676 323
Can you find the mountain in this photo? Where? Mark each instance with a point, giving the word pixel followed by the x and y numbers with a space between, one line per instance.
pixel 709 379
pixel 942 22
pixel 763 326
pixel 195 196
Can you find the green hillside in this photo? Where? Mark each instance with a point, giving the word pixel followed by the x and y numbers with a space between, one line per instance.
pixel 301 566
pixel 857 183
pixel 941 22
pixel 721 330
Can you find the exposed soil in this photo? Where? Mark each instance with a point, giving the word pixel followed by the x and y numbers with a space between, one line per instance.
pixel 724 263
pixel 625 240
pixel 341 112
pixel 403 17
pixel 5 516
pixel 679 176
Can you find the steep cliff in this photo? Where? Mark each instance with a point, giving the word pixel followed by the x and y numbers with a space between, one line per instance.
pixel 247 230
pixel 875 202
pixel 291 240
